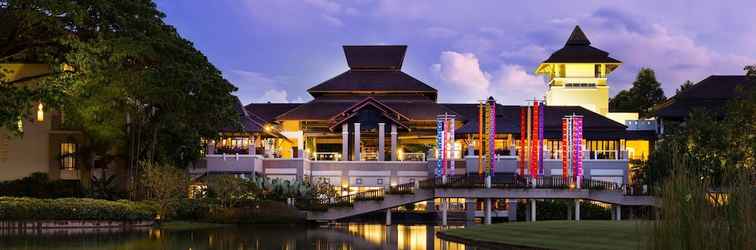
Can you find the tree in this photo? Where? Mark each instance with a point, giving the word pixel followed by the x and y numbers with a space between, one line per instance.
pixel 227 189
pixel 641 97
pixel 166 185
pixel 132 84
pixel 750 70
pixel 684 87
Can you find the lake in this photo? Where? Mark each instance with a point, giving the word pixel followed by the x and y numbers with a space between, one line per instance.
pixel 339 236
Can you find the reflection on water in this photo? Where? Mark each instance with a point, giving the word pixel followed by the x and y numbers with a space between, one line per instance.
pixel 343 236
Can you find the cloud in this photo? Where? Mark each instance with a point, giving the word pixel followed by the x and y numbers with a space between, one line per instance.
pixel 464 80
pixel 274 96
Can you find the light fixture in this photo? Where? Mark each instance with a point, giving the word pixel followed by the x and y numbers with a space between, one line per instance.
pixel 40 113
pixel 268 128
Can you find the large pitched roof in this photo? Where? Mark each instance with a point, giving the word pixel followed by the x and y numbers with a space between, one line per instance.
pixel 267 112
pixel 578 49
pixel 711 94
pixel 373 69
pixel 247 123
pixel 325 109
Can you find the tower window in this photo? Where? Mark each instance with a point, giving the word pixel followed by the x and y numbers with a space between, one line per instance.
pixel 597 70
pixel 562 71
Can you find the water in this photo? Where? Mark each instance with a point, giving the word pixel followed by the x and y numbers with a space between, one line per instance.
pixel 343 236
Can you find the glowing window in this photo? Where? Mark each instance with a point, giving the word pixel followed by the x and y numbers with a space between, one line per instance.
pixel 68 156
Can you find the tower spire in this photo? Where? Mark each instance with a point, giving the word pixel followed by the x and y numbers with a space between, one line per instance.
pixel 578 37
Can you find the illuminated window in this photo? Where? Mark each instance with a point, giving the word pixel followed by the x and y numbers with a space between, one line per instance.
pixel 358 181
pixel 379 181
pixel 68 156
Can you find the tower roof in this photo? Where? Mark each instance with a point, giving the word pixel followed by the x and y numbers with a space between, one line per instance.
pixel 578 37
pixel 578 49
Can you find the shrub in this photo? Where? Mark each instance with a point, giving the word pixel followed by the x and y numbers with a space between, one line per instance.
pixel 38 185
pixel 12 208
pixel 166 186
pixel 264 213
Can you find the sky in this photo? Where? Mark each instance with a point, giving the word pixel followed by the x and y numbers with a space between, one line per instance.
pixel 275 50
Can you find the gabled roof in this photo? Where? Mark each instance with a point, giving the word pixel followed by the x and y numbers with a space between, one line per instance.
pixel 386 57
pixel 711 94
pixel 326 108
pixel 388 112
pixel 578 49
pixel 267 112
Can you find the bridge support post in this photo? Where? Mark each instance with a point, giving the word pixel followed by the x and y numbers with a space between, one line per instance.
pixel 487 212
pixel 512 209
pixel 613 211
pixel 357 155
pixel 532 210
pixel 381 141
pixel 569 211
pixel 488 181
pixel 577 209
pixel 470 207
pixel 388 217
pixel 618 215
pixel 444 208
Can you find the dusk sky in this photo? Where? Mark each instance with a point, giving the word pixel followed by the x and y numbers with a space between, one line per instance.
pixel 275 50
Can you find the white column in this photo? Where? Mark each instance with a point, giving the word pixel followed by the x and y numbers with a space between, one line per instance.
pixel 211 147
pixel 345 142
pixel 251 147
pixel 388 217
pixel 393 142
pixel 470 207
pixel 487 211
pixel 381 141
pixel 577 209
pixel 357 156
pixel 444 208
pixel 618 215
pixel 532 210
pixel 512 209
pixel 470 150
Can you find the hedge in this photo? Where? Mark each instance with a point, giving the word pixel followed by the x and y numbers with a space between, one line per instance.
pixel 13 208
pixel 38 185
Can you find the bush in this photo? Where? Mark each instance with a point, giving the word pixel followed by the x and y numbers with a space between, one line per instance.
pixel 38 185
pixel 264 213
pixel 557 210
pixel 12 208
pixel 192 209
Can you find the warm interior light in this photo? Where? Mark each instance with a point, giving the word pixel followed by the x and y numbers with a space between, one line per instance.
pixel 268 128
pixel 20 125
pixel 40 113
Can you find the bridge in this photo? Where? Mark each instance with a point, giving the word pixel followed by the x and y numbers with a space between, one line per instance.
pixel 473 187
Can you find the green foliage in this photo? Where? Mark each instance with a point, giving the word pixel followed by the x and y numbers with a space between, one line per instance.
pixel 684 87
pixel 166 185
pixel 641 97
pixel 133 85
pixel 711 146
pixel 73 209
pixel 750 70
pixel 557 210
pixel 267 212
pixel 38 185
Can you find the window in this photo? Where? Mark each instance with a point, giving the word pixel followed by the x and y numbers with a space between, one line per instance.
pixel 68 156
pixel 358 181
pixel 379 181
pixel 412 180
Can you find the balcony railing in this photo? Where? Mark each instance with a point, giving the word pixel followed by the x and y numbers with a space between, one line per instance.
pixel 590 155
pixel 411 156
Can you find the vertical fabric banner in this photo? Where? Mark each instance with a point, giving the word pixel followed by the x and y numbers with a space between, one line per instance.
pixel 523 138
pixel 487 129
pixel 445 148
pixel 439 144
pixel 534 142
pixel 578 136
pixel 453 146
pixel 480 138
pixel 564 148
pixel 541 114
pixel 492 142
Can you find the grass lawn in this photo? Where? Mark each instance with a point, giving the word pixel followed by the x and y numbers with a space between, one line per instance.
pixel 584 234
pixel 189 225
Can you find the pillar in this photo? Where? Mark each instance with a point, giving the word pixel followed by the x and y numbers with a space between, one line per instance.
pixel 512 209
pixel 430 237
pixel 618 215
pixel 211 147
pixel 470 207
pixel 381 141
pixel 357 156
pixel 345 142
pixel 388 217
pixel 613 212
pixel 251 147
pixel 487 211
pixel 430 205
pixel 577 209
pixel 444 211
pixel 532 210
pixel 569 211
pixel 470 149
pixel 393 142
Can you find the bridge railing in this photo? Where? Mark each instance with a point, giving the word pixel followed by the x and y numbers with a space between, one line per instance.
pixel 517 181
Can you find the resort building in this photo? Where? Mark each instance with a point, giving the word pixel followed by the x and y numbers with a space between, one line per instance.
pixel 375 126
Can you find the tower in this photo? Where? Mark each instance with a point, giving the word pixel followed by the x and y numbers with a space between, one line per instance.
pixel 577 74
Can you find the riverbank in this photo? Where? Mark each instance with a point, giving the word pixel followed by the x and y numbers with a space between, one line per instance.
pixel 553 235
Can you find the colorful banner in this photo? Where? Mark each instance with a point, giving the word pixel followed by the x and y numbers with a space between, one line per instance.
pixel 541 114
pixel 487 127
pixel 480 138
pixel 534 142
pixel 523 139
pixel 578 141
pixel 452 146
pixel 445 148
pixel 492 139
pixel 565 147
pixel 439 144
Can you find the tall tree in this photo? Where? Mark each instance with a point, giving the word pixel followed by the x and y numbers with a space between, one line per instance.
pixel 641 97
pixel 750 70
pixel 684 87
pixel 134 86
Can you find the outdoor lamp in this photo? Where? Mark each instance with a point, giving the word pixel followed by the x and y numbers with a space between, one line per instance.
pixel 268 128
pixel 40 113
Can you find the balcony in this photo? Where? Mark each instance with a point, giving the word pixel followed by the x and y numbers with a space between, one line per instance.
pixel 228 163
